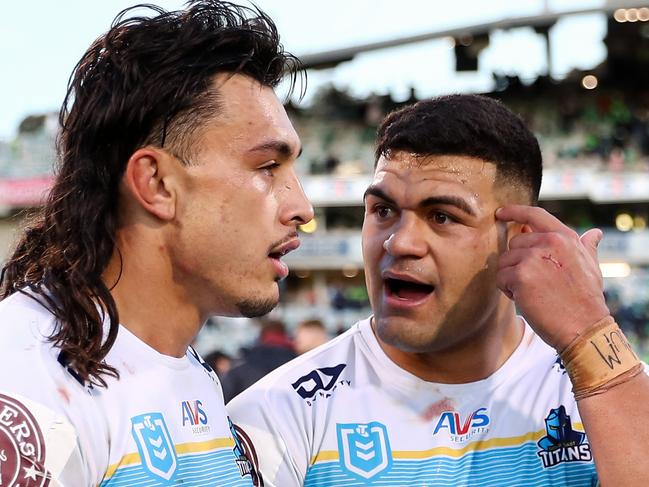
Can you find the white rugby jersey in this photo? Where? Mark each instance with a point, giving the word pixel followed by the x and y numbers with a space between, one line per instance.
pixel 162 423
pixel 345 415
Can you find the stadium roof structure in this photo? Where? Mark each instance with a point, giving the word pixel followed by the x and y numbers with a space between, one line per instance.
pixel 330 59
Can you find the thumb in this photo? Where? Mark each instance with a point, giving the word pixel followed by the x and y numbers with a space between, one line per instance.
pixel 590 240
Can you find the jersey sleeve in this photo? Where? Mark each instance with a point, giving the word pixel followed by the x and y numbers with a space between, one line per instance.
pixel 37 444
pixel 272 429
pixel 49 424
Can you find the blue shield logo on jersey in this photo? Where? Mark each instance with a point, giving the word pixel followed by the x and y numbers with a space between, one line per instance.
pixel 364 449
pixel 154 443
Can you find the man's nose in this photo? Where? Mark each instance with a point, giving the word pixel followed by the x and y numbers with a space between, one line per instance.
pixel 407 239
pixel 298 208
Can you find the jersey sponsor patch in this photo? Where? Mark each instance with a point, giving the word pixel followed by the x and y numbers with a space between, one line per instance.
pixel 154 444
pixel 245 454
pixel 462 429
pixel 562 443
pixel 195 417
pixel 22 449
pixel 364 449
pixel 319 382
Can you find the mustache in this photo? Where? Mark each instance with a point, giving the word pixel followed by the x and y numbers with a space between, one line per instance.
pixel 403 265
pixel 287 238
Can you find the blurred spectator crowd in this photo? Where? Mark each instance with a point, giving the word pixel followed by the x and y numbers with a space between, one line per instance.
pixel 274 347
pixel 606 129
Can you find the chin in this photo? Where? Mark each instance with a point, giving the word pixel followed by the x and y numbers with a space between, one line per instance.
pixel 408 345
pixel 398 334
pixel 254 307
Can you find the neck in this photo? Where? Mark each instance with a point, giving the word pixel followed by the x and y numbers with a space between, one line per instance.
pixel 475 358
pixel 151 305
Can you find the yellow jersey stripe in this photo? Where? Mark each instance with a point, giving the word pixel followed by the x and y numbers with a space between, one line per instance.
pixel 330 455
pixel 183 448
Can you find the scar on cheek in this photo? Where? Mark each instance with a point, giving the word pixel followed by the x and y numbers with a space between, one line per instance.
pixel 553 260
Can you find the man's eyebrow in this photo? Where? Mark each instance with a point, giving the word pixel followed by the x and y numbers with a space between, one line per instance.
pixel 451 200
pixel 379 193
pixel 279 146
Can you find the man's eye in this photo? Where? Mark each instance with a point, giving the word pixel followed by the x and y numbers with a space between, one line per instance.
pixel 270 168
pixel 441 218
pixel 382 211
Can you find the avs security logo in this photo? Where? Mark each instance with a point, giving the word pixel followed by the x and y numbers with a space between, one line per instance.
pixel 461 429
pixel 194 415
pixel 154 444
pixel 22 449
pixel 364 449
pixel 561 443
pixel 320 383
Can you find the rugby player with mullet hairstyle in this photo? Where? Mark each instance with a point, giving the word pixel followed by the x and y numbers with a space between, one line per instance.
pixel 175 198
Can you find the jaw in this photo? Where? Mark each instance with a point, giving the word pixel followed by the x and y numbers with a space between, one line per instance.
pixel 434 326
pixel 254 308
pixel 258 298
pixel 408 333
pixel 450 348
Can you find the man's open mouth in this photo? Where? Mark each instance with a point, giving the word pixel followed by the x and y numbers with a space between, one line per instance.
pixel 279 251
pixel 410 290
pixel 278 255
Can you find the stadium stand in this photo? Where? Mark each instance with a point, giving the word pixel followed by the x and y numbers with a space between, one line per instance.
pixel 594 132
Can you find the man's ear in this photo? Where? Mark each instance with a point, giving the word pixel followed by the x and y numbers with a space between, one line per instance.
pixel 149 177
pixel 526 228
pixel 508 230
pixel 514 229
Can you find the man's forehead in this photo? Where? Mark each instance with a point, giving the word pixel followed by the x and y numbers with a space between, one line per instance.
pixel 250 114
pixel 412 162
pixel 241 97
pixel 413 177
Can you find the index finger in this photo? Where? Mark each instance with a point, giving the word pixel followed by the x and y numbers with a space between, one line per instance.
pixel 537 218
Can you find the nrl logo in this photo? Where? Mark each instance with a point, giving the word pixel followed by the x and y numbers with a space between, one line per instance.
pixel 154 445
pixel 364 449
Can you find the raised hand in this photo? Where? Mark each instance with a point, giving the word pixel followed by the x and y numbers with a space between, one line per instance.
pixel 552 274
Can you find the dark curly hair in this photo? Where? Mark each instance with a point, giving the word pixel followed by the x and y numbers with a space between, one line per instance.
pixel 469 125
pixel 147 81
